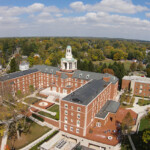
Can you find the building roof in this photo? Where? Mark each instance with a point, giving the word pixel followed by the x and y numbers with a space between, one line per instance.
pixel 85 94
pixel 46 69
pixel 17 74
pixel 137 79
pixel 24 63
pixel 64 76
pixel 86 75
pixel 110 106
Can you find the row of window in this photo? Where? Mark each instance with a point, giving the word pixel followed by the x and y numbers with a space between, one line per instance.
pixel 71 129
pixel 78 108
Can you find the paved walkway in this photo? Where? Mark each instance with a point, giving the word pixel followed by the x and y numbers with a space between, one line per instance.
pixel 4 140
pixel 39 140
pixel 131 142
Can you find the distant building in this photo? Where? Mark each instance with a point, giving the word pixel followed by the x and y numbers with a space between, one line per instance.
pixel 134 60
pixel 24 57
pixel 24 66
pixel 147 51
pixel 140 85
pixel 1 66
pixel 36 55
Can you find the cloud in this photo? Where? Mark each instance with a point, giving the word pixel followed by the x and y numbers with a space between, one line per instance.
pixel 97 20
pixel 117 6
pixel 147 14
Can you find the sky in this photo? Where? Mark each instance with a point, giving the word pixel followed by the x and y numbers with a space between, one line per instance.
pixel 129 19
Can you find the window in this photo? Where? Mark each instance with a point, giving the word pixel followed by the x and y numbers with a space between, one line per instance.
pixel 66 112
pixel 66 119
pixel 71 107
pixel 72 114
pixel 78 123
pixel 78 116
pixel 71 129
pixel 65 127
pixel 66 106
pixel 77 130
pixel 75 84
pixel 76 80
pixel 78 109
pixel 98 124
pixel 71 120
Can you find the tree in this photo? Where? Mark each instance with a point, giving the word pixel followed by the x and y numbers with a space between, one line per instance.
pixel 31 88
pixel 13 66
pixel 140 66
pixel 148 72
pixel 127 123
pixel 133 66
pixel 146 137
pixel 107 70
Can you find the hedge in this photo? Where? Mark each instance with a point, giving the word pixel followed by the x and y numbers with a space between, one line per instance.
pixel 45 140
pixel 38 117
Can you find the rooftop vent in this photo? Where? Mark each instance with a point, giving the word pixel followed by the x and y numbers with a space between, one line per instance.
pixel 87 76
pixel 51 71
pixel 76 100
pixel 80 75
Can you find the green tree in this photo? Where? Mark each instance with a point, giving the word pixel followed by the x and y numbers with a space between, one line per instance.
pixel 133 66
pixel 13 66
pixel 148 72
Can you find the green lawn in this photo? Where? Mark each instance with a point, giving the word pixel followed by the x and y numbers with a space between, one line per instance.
pixel 142 102
pixel 137 138
pixel 31 100
pixel 56 117
pixel 27 138
pixel 144 124
pixel 127 63
pixel 54 108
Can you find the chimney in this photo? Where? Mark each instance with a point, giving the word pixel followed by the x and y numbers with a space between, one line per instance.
pixel 106 79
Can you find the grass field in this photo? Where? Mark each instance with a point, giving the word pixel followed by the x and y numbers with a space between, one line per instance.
pixel 137 138
pixel 54 108
pixel 27 138
pixel 127 63
pixel 56 117
pixel 142 102
pixel 31 100
pixel 144 124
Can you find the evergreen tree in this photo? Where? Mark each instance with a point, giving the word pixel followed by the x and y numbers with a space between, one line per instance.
pixel 13 66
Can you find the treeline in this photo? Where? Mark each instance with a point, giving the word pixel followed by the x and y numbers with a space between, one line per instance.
pixel 91 49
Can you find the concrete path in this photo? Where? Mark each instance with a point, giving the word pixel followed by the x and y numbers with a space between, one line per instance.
pixel 4 140
pixel 38 140
pixel 131 142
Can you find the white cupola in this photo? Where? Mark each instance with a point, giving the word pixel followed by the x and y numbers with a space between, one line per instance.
pixel 68 63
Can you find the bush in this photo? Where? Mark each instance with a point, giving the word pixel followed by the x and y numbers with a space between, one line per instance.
pixel 45 140
pixel 38 117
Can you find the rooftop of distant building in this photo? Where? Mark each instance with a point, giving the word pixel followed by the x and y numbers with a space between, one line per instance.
pixel 137 79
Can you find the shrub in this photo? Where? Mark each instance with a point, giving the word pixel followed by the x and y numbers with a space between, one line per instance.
pixel 45 140
pixel 38 117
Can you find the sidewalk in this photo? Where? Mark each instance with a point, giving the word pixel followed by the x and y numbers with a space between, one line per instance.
pixel 4 140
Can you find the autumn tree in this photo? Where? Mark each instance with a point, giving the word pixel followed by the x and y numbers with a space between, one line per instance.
pixel 146 137
pixel 127 123
pixel 107 70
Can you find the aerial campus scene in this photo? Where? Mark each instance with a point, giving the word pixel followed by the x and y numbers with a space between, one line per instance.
pixel 75 75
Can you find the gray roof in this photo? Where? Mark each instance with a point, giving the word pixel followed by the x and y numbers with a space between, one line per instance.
pixel 85 94
pixel 64 76
pixel 17 74
pixel 110 106
pixel 86 75
pixel 46 69
pixel 24 63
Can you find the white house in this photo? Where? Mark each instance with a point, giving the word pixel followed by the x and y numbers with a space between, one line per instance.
pixel 24 66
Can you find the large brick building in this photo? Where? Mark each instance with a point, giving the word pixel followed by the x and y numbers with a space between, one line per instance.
pixel 88 110
pixel 140 86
